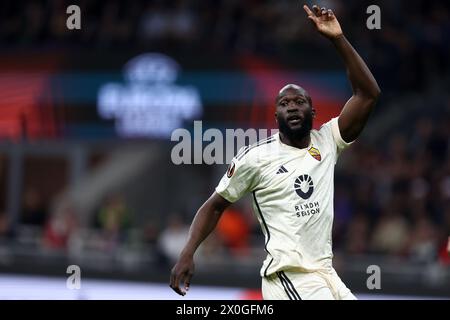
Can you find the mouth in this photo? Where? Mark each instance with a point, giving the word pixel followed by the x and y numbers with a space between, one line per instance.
pixel 294 119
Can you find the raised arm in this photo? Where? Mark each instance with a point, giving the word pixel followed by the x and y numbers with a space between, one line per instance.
pixel 356 111
pixel 203 224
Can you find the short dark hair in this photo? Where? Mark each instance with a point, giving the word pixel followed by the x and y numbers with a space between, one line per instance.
pixel 295 87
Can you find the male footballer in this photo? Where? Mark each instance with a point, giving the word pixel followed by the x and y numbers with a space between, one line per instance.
pixel 290 177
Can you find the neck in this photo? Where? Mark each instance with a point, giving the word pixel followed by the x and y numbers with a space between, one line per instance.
pixel 296 142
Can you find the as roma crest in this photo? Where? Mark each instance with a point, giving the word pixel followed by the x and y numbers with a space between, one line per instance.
pixel 315 153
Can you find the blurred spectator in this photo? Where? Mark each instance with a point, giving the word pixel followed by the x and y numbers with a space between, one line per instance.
pixel 234 231
pixel 5 229
pixel 444 239
pixel 391 234
pixel 357 241
pixel 151 238
pixel 155 21
pixel 422 243
pixel 342 215
pixel 34 210
pixel 151 234
pixel 173 238
pixel 114 219
pixel 60 228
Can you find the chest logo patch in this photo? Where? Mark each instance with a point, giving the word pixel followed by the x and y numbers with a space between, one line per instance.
pixel 315 153
pixel 304 186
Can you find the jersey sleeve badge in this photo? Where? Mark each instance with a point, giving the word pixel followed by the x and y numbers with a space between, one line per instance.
pixel 230 170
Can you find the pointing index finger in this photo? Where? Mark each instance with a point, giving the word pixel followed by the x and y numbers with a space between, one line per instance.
pixel 308 11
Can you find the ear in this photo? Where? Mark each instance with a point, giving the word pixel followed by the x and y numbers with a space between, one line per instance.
pixel 313 111
pixel 276 119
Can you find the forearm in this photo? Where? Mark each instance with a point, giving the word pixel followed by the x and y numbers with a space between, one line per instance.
pixel 203 224
pixel 362 81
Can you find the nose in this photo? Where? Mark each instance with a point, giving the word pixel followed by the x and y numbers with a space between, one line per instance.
pixel 292 107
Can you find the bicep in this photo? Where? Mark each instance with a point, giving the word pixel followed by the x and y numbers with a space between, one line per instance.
pixel 218 202
pixel 354 116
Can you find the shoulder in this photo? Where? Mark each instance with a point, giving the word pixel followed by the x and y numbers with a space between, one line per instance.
pixel 256 151
pixel 329 129
pixel 329 133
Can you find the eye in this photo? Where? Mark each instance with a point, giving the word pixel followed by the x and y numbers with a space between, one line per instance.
pixel 283 103
pixel 300 101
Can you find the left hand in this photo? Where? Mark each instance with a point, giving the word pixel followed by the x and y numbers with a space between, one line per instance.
pixel 325 21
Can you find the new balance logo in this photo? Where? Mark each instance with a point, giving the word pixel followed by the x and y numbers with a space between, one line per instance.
pixel 282 170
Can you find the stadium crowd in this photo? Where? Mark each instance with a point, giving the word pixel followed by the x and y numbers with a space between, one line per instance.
pixel 392 196
pixel 409 48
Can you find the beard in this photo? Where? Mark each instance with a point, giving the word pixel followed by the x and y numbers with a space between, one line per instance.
pixel 298 133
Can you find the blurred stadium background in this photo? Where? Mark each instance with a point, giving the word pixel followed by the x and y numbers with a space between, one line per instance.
pixel 86 118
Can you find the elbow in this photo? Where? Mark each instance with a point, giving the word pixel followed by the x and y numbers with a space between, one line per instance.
pixel 376 93
pixel 371 95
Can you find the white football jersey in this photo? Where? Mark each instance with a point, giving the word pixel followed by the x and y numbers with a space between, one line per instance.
pixel 292 192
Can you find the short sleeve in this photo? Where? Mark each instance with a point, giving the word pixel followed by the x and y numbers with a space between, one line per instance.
pixel 340 143
pixel 332 133
pixel 239 178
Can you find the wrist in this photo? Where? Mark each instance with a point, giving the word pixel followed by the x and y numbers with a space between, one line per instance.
pixel 337 37
pixel 187 254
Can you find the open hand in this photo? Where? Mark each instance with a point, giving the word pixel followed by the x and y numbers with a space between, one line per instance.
pixel 325 21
